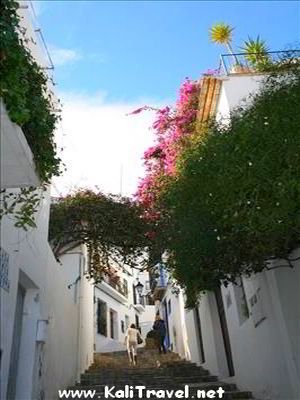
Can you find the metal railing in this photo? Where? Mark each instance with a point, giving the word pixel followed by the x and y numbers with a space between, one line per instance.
pixel 117 285
pixel 159 279
pixel 251 63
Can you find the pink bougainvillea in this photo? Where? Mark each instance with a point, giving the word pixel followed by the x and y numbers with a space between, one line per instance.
pixel 171 127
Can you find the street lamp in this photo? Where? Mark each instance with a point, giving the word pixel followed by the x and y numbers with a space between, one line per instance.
pixel 139 288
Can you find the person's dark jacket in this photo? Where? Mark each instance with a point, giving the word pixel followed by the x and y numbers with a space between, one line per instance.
pixel 160 327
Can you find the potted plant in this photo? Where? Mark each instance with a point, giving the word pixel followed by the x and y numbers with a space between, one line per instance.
pixel 257 53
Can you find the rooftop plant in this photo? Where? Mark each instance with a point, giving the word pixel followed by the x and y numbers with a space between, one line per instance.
pixel 221 33
pixel 257 53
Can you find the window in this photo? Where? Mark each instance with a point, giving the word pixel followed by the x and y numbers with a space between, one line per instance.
pixel 101 318
pixel 257 310
pixel 111 317
pixel 122 326
pixel 169 307
pixel 241 302
pixel 126 322
pixel 134 294
pixel 113 322
pixel 137 321
pixel 149 300
pixel 125 287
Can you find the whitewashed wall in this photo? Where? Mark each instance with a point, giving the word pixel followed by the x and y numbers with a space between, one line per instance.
pixel 81 293
pixel 33 33
pixel 265 354
pixel 56 363
pixel 106 343
pixel 193 345
pixel 123 307
pixel 214 353
pixel 235 91
pixel 176 322
pixel 54 357
pixel 147 320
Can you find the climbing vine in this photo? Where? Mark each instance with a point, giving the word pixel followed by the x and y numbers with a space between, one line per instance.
pixel 111 226
pixel 21 205
pixel 28 100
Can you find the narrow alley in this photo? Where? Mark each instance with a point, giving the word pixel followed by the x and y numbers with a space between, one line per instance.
pixel 149 199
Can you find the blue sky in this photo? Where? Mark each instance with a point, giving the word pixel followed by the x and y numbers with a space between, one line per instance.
pixel 138 49
pixel 113 57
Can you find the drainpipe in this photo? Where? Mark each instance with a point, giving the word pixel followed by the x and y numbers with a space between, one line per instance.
pixel 78 301
pixel 78 352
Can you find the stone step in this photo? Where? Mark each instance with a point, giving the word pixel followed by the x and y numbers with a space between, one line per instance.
pixel 235 395
pixel 169 386
pixel 113 370
pixel 113 364
pixel 145 381
pixel 142 372
pixel 138 374
pixel 145 357
pixel 140 365
pixel 142 350
pixel 167 357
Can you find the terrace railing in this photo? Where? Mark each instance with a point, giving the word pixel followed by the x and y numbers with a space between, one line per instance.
pixel 119 286
pixel 251 63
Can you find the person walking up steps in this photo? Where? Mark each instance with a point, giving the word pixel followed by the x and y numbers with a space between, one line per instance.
pixel 160 327
pixel 132 339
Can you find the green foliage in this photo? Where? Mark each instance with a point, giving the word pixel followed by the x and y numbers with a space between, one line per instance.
pixel 22 204
pixel 235 203
pixel 111 227
pixel 24 91
pixel 257 53
pixel 221 33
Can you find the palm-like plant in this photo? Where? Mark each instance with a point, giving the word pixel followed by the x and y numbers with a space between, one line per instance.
pixel 256 52
pixel 221 33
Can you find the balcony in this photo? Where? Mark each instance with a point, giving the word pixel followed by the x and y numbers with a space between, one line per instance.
pixel 255 63
pixel 116 284
pixel 17 164
pixel 114 288
pixel 159 283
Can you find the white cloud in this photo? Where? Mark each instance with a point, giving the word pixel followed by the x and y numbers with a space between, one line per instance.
pixel 103 146
pixel 62 56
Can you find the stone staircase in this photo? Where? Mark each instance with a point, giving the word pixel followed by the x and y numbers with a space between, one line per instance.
pixel 155 372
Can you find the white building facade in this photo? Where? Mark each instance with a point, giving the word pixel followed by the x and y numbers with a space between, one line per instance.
pixel 118 304
pixel 46 306
pixel 247 333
